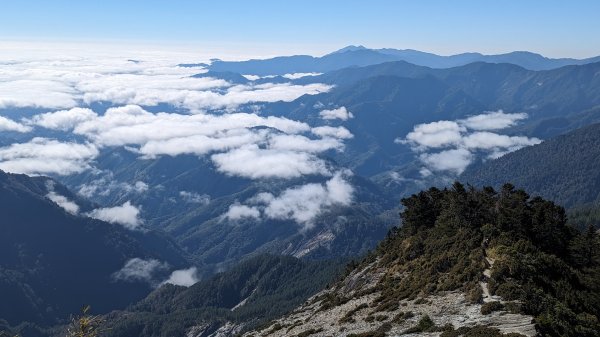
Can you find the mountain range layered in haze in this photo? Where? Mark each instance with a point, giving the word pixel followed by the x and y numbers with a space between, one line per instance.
pixel 164 178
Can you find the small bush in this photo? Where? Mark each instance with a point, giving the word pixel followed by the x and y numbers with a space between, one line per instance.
pixel 380 318
pixel 349 316
pixel 85 325
pixel 421 301
pixel 402 316
pixel 425 324
pixel 513 307
pixel 475 295
pixel 477 331
pixel 489 307
pixel 275 327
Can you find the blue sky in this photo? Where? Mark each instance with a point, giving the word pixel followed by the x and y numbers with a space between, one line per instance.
pixel 553 28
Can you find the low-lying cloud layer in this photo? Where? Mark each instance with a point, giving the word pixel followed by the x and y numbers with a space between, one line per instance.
pixel 195 198
pixel 339 113
pixel 126 215
pixel 150 270
pixel 105 184
pixel 254 162
pixel 301 204
pixel 62 201
pixel 201 119
pixel 42 156
pixel 460 141
pixel 238 211
pixel 93 105
pixel 183 277
pixel 10 125
pixel 62 83
pixel 239 144
pixel 140 270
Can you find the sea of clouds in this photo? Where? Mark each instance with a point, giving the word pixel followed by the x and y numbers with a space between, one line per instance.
pixel 63 126
pixel 59 110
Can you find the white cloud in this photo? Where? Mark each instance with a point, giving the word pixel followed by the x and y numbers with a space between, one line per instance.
pixel 38 93
pixel 268 146
pixel 425 172
pixel 195 198
pixel 238 211
pixel 301 204
pixel 145 89
pixel 261 198
pixel 62 201
pixel 125 215
pixel 65 84
pixel 455 160
pixel 335 132
pixel 64 119
pixel 150 271
pixel 339 113
pixel 339 191
pixel 10 125
pixel 47 156
pixel 461 144
pixel 137 269
pixel 60 82
pixel 493 120
pixel 436 134
pixel 106 184
pixel 140 187
pixel 295 76
pixel 490 141
pixel 132 125
pixel 201 144
pixel 253 162
pixel 304 144
pixel 201 100
pixel 244 94
pixel 252 77
pixel 184 277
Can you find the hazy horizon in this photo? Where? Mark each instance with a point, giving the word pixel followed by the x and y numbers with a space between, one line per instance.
pixel 239 29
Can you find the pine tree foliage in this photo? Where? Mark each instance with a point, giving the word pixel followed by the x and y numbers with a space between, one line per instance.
pixel 542 265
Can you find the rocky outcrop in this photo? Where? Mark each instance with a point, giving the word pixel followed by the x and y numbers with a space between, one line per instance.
pixel 210 330
pixel 357 312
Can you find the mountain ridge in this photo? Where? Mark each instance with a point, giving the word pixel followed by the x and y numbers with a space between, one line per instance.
pixel 569 161
pixel 466 262
pixel 53 263
pixel 362 56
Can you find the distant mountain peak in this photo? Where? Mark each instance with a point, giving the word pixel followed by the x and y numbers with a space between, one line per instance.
pixel 349 48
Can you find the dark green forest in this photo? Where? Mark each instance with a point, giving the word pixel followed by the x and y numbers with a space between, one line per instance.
pixel 562 169
pixel 543 266
pixel 69 260
pixel 268 286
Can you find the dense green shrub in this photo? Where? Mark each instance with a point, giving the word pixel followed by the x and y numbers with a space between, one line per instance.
pixel 477 331
pixel 547 268
pixel 489 307
pixel 349 316
pixel 425 324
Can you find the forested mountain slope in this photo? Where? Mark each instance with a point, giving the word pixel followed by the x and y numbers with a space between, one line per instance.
pixel 52 262
pixel 472 262
pixel 563 169
pixel 251 293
